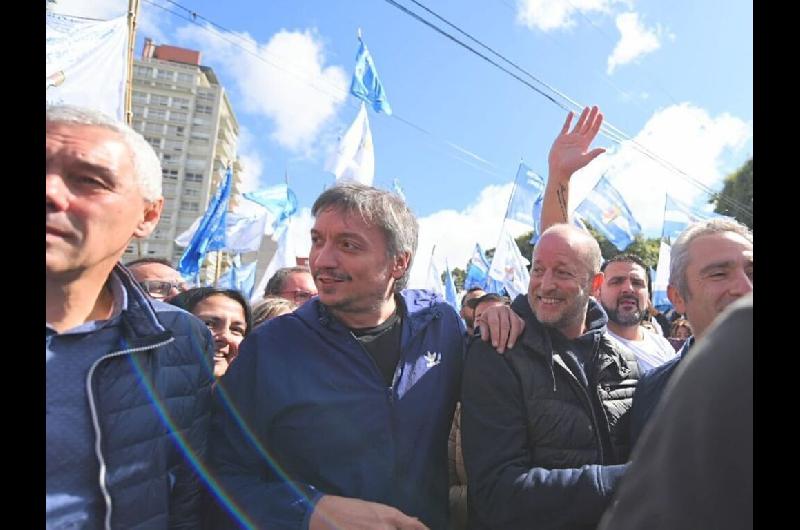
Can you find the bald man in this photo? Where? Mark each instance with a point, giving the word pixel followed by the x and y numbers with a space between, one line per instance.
pixel 545 426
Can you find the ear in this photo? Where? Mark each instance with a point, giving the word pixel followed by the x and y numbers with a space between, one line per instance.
pixel 150 217
pixel 677 300
pixel 597 281
pixel 400 266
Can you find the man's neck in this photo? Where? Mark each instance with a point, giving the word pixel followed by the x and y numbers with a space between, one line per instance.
pixel 626 332
pixel 73 302
pixel 367 319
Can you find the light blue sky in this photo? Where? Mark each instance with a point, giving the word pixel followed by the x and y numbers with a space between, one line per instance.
pixel 688 99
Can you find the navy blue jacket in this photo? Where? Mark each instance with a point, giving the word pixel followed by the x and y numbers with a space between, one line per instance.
pixel 319 418
pixel 542 448
pixel 151 403
pixel 649 390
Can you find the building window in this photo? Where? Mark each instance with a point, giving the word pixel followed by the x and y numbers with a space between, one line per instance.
pixel 156 99
pixel 193 177
pixel 139 97
pixel 181 103
pixel 159 114
pixel 142 71
pixel 191 192
pixel 190 206
pixel 169 174
pixel 155 142
pixel 177 116
pixel 203 109
pixel 154 128
pixel 185 79
pixel 165 75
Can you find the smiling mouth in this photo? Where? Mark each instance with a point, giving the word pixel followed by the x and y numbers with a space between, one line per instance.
pixel 545 300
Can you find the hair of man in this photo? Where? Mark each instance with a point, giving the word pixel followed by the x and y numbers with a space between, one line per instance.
pixel 631 258
pixel 187 301
pixel 679 254
pixel 276 282
pixel 146 165
pixel 380 208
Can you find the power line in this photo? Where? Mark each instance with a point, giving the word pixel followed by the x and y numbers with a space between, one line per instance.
pixel 608 130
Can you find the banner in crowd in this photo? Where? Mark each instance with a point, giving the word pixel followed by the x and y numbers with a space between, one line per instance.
pixel 660 299
pixel 509 266
pixel 679 215
pixel 238 277
pixel 450 288
pixel 280 201
pixel 86 62
pixel 354 158
pixel 528 189
pixel 366 84
pixel 210 234
pixel 608 213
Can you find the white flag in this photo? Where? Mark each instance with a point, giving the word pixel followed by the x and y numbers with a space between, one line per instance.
pixel 509 266
pixel 434 279
pixel 86 62
pixel 354 158
pixel 662 276
pixel 285 256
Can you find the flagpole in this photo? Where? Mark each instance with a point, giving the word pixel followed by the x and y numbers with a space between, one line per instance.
pixel 133 12
pixel 217 271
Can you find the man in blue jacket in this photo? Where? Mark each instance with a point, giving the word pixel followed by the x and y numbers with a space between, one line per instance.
pixel 128 378
pixel 337 415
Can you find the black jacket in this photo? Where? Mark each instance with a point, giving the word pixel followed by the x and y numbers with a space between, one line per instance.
pixel 540 447
pixel 150 404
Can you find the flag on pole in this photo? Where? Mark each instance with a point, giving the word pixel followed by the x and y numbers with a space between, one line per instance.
pixel 607 211
pixel 528 188
pixel 679 215
pixel 433 281
pixel 238 277
pixel 450 288
pixel 243 233
pixel 660 299
pixel 366 85
pixel 354 158
pixel 285 256
pixel 86 62
pixel 477 270
pixel 210 234
pixel 280 201
pixel 509 266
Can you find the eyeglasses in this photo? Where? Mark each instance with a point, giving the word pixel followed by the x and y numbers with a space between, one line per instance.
pixel 162 288
pixel 298 295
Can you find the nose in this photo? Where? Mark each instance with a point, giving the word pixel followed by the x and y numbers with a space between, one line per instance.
pixel 323 256
pixel 742 284
pixel 548 280
pixel 56 192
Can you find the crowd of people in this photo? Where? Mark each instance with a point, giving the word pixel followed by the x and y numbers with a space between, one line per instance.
pixel 345 400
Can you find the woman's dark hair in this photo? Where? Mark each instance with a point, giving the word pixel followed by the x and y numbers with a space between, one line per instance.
pixel 187 301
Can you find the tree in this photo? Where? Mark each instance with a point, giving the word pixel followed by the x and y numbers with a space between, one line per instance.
pixel 738 188
pixel 459 275
pixel 645 248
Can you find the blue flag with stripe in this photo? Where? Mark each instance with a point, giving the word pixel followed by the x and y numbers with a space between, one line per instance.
pixel 607 211
pixel 210 235
pixel 366 85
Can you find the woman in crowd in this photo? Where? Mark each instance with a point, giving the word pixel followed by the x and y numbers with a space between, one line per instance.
pixel 271 307
pixel 227 315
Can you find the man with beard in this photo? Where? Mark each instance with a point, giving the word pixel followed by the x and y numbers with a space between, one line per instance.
pixel 545 426
pixel 337 415
pixel 624 295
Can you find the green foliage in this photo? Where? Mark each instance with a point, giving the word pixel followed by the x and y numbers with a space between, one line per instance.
pixel 738 187
pixel 459 275
pixel 647 249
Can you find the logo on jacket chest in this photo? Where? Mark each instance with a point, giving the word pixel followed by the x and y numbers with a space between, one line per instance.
pixel 432 359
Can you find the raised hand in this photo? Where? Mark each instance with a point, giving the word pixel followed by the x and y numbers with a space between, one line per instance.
pixel 569 152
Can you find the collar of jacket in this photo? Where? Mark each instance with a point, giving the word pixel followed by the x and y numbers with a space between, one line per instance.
pixel 139 322
pixel 418 309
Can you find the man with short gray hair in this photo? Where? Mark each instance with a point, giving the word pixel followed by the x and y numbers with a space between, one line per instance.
pixel 343 407
pixel 292 283
pixel 711 266
pixel 128 377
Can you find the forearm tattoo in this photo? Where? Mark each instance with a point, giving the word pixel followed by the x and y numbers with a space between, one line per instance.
pixel 561 193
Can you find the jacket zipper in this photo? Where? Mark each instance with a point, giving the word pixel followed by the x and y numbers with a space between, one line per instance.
pixel 588 402
pixel 96 422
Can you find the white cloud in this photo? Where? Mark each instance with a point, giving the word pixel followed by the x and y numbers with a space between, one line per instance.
pixel 548 15
pixel 250 159
pixel 285 80
pixel 686 136
pixel 635 40
pixel 455 233
pixel 147 23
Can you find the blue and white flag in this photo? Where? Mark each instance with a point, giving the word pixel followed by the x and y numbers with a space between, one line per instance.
pixel 354 158
pixel 280 201
pixel 238 277
pixel 450 288
pixel 528 189
pixel 477 270
pixel 242 233
pixel 433 281
pixel 509 266
pixel 678 215
pixel 210 235
pixel 660 299
pixel 86 62
pixel 607 211
pixel 366 85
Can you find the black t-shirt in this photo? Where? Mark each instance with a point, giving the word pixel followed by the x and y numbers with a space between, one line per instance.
pixel 383 343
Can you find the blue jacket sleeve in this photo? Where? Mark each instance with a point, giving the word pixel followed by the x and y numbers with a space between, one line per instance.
pixel 506 490
pixel 249 484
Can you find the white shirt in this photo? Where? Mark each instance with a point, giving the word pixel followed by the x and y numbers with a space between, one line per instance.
pixel 653 350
